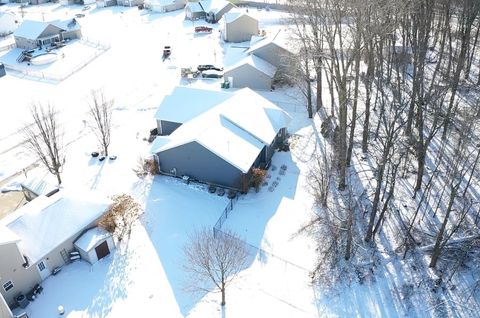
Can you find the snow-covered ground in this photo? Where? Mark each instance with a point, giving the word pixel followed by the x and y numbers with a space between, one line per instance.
pixel 145 276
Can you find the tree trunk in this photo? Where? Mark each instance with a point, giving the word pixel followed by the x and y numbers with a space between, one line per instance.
pixel 354 108
pixel 318 70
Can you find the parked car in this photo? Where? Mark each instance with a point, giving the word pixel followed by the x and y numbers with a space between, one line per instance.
pixel 211 74
pixel 86 8
pixel 206 67
pixel 79 15
pixel 204 29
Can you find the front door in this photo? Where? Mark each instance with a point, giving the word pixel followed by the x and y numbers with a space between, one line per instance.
pixel 43 269
pixel 102 250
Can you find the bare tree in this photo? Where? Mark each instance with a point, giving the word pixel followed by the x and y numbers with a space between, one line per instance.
pixel 100 113
pixel 43 138
pixel 216 260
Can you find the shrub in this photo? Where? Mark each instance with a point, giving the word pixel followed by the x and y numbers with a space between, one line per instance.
pixel 258 175
pixel 120 216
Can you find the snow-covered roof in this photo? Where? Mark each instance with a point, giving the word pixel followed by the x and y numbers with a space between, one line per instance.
pixel 67 25
pixel 158 143
pixel 235 130
pixel 30 29
pixel 91 238
pixel 256 62
pixel 46 222
pixel 39 182
pixel 229 17
pixel 194 7
pixel 214 6
pixel 7 236
pixel 33 29
pixel 259 43
pixel 186 103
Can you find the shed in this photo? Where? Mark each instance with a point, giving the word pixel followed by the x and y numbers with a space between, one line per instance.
pixel 95 244
pixel 252 72
pixel 239 27
pixel 8 23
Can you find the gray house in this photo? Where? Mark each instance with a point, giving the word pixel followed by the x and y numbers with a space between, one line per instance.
pixel 129 3
pixel 32 34
pixel 223 143
pixel 5 311
pixel 38 237
pixel 271 50
pixel 211 10
pixel 251 72
pixel 239 27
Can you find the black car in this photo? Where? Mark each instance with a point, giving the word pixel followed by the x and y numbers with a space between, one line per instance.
pixel 211 74
pixel 206 67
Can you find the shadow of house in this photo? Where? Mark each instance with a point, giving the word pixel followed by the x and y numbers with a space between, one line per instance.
pixel 38 237
pixel 221 141
pixel 32 34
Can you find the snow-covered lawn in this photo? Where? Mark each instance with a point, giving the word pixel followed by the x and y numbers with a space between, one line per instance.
pixel 69 59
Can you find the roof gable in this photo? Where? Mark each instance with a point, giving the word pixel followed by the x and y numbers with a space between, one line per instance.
pixel 257 63
pixel 30 29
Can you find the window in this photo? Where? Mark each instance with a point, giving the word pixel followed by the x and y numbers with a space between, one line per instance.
pixel 41 266
pixel 8 285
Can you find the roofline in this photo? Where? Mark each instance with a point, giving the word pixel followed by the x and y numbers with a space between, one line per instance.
pixel 252 66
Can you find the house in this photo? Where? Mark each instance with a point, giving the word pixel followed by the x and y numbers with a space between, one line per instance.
pixel 224 141
pixel 192 101
pixel 39 182
pixel 32 34
pixel 211 10
pixel 271 50
pixel 5 311
pixel 252 72
pixel 8 23
pixel 130 3
pixel 38 237
pixel 239 27
pixel 165 5
pixel 194 11
pixel 106 3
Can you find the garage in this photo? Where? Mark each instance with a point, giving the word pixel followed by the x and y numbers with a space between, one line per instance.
pixel 94 244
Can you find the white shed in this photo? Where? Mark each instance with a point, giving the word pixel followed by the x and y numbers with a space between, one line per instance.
pixel 95 244
pixel 239 27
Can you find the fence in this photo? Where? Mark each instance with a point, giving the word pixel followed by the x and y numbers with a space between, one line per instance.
pixel 223 217
pixel 102 48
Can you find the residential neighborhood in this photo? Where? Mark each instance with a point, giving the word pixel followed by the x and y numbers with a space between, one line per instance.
pixel 220 158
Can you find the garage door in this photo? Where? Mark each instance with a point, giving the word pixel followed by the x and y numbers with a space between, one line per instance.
pixel 102 250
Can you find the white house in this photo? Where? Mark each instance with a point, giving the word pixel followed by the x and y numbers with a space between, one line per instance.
pixel 165 5
pixel 211 10
pixel 239 27
pixel 272 50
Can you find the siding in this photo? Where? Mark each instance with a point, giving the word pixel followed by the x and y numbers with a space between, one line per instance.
pixel 49 31
pixel 25 43
pixel 166 127
pixel 196 161
pixel 241 29
pixel 248 76
pixel 274 55
pixel 11 268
